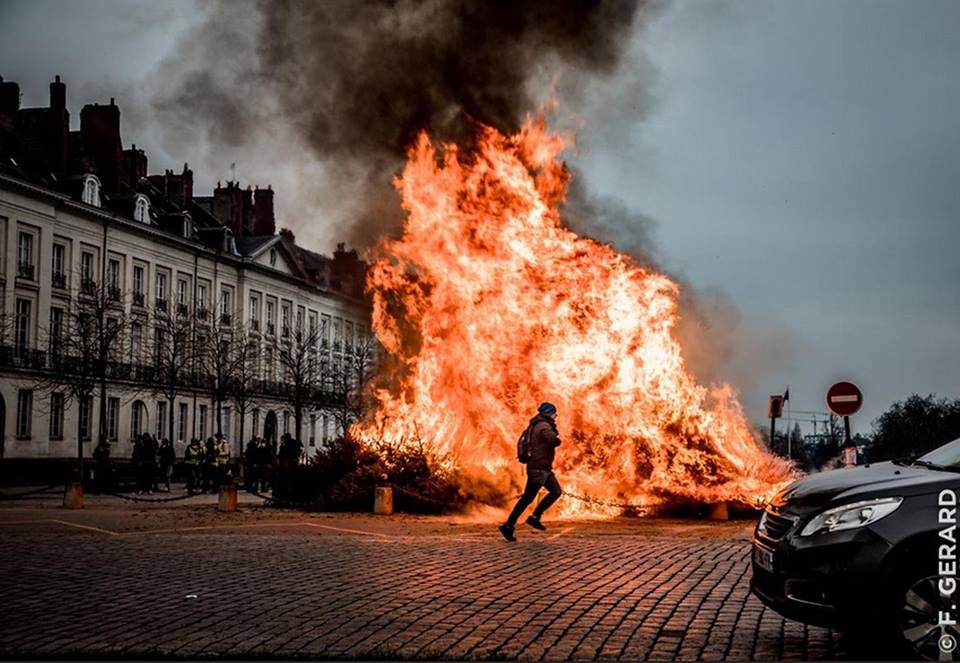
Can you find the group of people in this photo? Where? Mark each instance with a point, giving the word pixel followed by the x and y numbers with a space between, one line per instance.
pixel 153 461
pixel 262 456
pixel 208 464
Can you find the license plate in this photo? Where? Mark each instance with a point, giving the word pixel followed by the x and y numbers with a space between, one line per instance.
pixel 763 558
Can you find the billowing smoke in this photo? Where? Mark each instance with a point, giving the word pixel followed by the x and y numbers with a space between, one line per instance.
pixel 340 87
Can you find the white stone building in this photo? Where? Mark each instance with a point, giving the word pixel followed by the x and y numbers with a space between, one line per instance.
pixel 78 210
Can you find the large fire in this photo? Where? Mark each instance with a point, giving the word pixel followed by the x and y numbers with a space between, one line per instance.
pixel 489 305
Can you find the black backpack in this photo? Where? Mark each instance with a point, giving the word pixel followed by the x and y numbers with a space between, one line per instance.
pixel 524 446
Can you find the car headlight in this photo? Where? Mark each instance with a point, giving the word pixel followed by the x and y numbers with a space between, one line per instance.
pixel 851 516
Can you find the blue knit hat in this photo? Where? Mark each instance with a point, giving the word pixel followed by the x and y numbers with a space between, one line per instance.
pixel 547 409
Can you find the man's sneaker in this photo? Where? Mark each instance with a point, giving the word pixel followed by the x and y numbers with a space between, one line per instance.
pixel 507 532
pixel 535 523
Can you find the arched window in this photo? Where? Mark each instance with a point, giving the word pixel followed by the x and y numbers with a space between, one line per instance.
pixel 91 190
pixel 141 210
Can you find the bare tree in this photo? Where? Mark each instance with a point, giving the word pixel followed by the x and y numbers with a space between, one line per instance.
pixel 346 397
pixel 299 364
pixel 85 341
pixel 227 356
pixel 174 357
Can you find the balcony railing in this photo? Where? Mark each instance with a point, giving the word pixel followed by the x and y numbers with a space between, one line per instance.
pixel 226 318
pixel 270 328
pixel 182 309
pixel 202 314
pixel 88 286
pixel 161 304
pixel 58 280
pixel 255 325
pixel 113 292
pixel 285 332
pixel 25 270
pixel 138 299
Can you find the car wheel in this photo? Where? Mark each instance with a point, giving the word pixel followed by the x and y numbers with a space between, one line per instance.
pixel 919 626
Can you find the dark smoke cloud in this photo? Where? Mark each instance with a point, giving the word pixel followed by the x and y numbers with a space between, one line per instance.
pixel 350 84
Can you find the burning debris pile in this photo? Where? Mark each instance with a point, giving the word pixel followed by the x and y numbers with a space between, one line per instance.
pixel 488 305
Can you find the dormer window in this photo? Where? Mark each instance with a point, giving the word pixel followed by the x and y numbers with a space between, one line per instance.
pixel 187 228
pixel 273 257
pixel 91 190
pixel 141 209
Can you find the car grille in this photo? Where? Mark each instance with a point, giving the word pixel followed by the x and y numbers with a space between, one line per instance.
pixel 775 526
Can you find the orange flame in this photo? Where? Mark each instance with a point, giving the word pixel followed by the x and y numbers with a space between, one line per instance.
pixel 488 305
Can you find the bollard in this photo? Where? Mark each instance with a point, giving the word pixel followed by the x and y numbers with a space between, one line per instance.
pixel 720 511
pixel 228 499
pixel 73 495
pixel 383 500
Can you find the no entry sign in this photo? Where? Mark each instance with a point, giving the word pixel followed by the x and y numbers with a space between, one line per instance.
pixel 844 399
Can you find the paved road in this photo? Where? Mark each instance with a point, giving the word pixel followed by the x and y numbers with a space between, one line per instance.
pixel 320 591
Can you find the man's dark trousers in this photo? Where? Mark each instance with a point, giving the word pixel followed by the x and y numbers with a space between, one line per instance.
pixel 536 479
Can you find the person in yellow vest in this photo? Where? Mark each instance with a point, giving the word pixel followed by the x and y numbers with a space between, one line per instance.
pixel 223 459
pixel 193 457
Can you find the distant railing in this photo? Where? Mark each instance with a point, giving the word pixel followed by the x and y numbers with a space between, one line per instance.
pixel 25 270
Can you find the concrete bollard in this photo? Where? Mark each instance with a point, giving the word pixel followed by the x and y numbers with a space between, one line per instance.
pixel 720 511
pixel 383 500
pixel 73 495
pixel 228 499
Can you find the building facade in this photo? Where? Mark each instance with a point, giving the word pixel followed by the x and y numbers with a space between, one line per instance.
pixel 82 222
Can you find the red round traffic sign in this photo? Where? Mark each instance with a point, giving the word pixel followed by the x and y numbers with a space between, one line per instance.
pixel 844 399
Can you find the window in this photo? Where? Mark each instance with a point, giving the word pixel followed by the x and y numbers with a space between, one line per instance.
pixel 57 266
pixel 158 343
pixel 225 422
pixel 313 430
pixel 256 421
pixel 86 271
pixel 21 340
pixel 56 416
pixel 349 337
pixel 202 297
pixel 113 278
pixel 86 418
pixel 113 418
pixel 138 294
pixel 113 273
pixel 325 331
pixel 270 306
pixel 326 428
pixel 91 191
pixel 254 308
pixel 56 333
pixel 286 421
pixel 161 286
pixel 299 320
pixel 226 306
pixel 25 255
pixel 136 342
pixel 24 413
pixel 182 423
pixel 285 319
pixel 161 419
pixel 202 422
pixel 137 418
pixel 141 211
pixel 337 334
pixel 273 257
pixel 182 292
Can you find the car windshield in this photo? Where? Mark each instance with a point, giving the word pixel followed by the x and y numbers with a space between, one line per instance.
pixel 946 456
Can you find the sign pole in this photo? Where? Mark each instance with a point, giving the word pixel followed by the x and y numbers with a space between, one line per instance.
pixel 845 399
pixel 846 431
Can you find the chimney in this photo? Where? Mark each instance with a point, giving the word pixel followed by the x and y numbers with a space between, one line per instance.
pixel 9 97
pixel 264 222
pixel 59 126
pixel 178 189
pixel 232 206
pixel 133 166
pixel 100 132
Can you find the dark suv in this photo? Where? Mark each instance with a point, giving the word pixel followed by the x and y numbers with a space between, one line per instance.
pixel 868 547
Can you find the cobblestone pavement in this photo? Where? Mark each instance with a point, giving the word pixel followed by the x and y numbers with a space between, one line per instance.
pixel 356 594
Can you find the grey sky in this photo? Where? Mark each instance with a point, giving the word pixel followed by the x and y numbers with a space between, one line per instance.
pixel 799 158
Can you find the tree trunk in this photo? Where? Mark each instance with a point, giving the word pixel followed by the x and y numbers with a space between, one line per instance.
pixel 80 443
pixel 102 427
